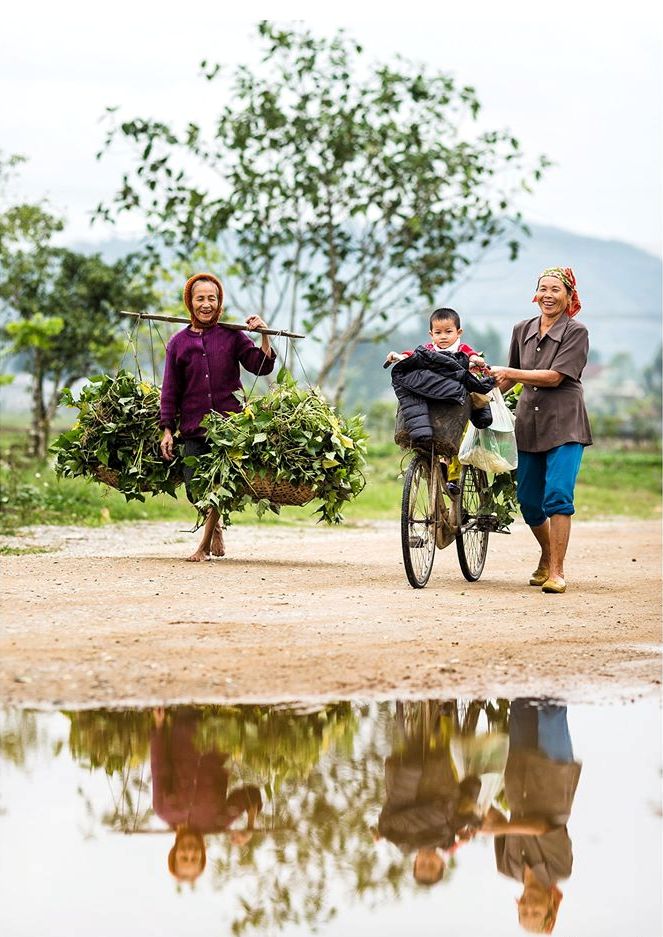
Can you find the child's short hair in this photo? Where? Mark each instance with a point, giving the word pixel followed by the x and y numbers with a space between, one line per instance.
pixel 441 315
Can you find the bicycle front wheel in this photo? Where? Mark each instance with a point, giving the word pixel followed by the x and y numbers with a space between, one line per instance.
pixel 418 522
pixel 472 541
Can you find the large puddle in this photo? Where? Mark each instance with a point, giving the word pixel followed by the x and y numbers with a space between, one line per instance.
pixel 437 817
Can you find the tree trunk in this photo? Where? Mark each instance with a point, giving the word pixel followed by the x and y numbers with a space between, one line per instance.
pixel 39 430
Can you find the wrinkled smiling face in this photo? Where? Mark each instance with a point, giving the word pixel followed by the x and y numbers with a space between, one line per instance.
pixel 205 303
pixel 552 296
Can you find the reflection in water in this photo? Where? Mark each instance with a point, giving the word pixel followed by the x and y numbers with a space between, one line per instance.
pixel 540 780
pixel 305 812
pixel 190 791
pixel 433 805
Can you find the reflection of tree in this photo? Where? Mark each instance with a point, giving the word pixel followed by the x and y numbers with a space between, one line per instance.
pixel 18 736
pixel 110 739
pixel 117 741
pixel 22 736
pixel 322 848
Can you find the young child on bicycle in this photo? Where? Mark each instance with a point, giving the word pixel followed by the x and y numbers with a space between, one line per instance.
pixel 445 332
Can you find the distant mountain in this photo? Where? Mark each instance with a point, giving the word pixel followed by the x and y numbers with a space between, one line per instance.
pixel 619 285
pixel 620 288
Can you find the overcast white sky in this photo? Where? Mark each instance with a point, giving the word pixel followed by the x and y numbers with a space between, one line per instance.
pixel 574 80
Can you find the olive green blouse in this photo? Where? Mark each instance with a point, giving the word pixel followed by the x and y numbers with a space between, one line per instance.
pixel 547 417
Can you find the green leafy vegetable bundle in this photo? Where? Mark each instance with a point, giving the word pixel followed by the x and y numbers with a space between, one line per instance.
pixel 116 437
pixel 502 498
pixel 289 435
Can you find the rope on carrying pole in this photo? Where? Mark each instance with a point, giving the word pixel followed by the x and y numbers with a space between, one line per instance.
pixel 277 354
pixel 132 335
pixel 301 365
pixel 154 365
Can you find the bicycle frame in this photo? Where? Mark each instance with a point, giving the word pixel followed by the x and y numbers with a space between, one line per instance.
pixel 445 533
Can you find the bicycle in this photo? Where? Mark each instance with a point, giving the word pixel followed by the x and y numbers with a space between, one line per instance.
pixel 427 523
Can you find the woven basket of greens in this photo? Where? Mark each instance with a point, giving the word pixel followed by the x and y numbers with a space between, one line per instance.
pixel 285 447
pixel 116 438
pixel 276 491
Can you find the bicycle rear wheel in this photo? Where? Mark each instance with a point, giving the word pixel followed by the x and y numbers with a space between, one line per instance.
pixel 418 522
pixel 472 544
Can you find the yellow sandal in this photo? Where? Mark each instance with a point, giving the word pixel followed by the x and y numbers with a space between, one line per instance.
pixel 539 576
pixel 554 585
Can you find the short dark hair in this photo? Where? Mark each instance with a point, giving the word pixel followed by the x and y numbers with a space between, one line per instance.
pixel 441 315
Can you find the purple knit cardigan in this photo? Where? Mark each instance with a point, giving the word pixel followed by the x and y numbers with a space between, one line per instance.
pixel 202 374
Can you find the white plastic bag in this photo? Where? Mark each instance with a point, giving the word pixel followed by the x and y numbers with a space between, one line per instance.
pixel 484 757
pixel 468 444
pixel 493 449
pixel 503 418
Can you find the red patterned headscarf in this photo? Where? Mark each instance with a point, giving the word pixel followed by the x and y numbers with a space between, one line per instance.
pixel 566 275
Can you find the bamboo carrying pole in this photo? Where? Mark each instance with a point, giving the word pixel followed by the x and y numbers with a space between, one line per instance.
pixel 236 326
pixel 278 829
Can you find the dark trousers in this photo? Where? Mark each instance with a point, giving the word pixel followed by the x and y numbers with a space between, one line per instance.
pixel 193 447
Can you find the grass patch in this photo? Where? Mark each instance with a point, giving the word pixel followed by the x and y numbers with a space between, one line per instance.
pixel 619 483
pixel 612 483
pixel 22 551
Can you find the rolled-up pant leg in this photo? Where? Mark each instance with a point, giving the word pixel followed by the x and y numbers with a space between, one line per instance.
pixel 546 482
pixel 563 464
pixel 531 486
pixel 192 447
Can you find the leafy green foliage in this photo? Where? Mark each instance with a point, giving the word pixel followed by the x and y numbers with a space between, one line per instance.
pixel 501 500
pixel 346 191
pixel 117 429
pixel 62 306
pixel 511 397
pixel 290 434
pixel 37 332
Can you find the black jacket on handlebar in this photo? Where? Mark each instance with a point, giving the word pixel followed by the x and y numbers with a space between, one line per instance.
pixel 440 376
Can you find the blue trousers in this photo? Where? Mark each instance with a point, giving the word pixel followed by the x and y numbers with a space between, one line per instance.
pixel 546 482
pixel 540 725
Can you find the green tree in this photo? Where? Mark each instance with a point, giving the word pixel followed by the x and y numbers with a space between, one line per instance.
pixel 61 307
pixel 653 384
pixel 341 193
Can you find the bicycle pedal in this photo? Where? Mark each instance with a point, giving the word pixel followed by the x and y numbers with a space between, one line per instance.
pixel 453 489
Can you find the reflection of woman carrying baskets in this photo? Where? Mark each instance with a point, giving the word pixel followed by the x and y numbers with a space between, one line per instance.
pixel 190 792
pixel 202 374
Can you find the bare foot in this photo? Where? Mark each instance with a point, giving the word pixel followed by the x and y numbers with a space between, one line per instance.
pixel 198 557
pixel 218 548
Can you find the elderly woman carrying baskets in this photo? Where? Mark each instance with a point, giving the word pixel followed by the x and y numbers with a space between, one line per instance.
pixel 547 356
pixel 201 375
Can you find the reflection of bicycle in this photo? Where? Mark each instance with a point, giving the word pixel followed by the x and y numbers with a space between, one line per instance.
pixel 427 522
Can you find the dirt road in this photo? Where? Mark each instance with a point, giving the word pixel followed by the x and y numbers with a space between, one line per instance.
pixel 114 616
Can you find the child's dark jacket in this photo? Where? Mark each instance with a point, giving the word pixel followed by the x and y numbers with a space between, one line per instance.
pixel 437 376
